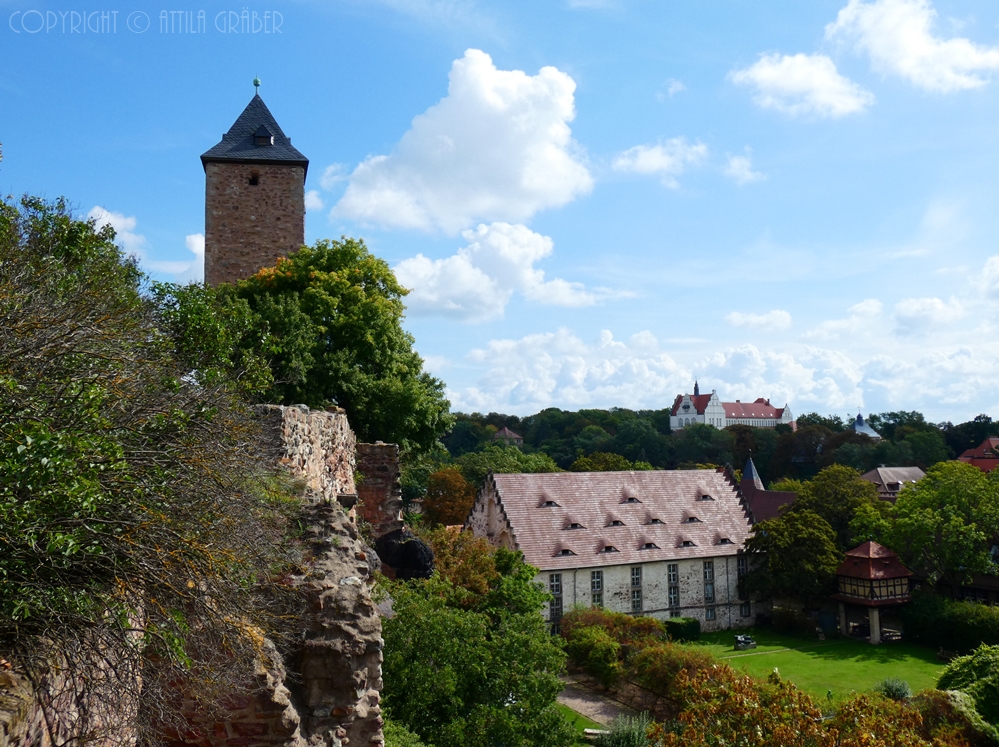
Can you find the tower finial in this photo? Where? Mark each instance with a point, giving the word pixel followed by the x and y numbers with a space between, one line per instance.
pixel 256 84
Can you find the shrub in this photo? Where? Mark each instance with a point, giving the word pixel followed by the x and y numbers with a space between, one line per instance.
pixel 894 688
pixel 627 630
pixel 683 628
pixel 657 667
pixel 978 676
pixel 792 622
pixel 627 731
pixel 936 621
pixel 397 735
pixel 596 652
pixel 950 717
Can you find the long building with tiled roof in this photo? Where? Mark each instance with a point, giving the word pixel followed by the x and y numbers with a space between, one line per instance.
pixel 659 543
pixel 708 409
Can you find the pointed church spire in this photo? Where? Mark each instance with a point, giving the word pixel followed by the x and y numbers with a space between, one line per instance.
pixel 697 389
pixel 749 474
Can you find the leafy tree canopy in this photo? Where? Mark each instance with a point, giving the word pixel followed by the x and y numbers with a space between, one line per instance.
pixel 835 494
pixel 449 497
pixel 328 322
pixel 465 669
pixel 795 555
pixel 942 525
pixel 502 459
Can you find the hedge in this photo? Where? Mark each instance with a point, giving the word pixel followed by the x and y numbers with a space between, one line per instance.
pixel 683 628
pixel 936 621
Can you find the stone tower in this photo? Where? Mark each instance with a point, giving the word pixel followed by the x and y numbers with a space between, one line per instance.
pixel 254 197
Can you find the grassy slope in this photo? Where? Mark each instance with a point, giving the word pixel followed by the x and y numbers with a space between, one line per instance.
pixel 578 720
pixel 840 665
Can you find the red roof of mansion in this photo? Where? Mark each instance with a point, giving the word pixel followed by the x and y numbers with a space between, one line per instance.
pixel 700 402
pixel 761 408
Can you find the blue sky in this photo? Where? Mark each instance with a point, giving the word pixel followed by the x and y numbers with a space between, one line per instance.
pixel 593 201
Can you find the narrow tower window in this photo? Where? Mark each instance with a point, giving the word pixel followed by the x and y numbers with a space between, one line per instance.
pixel 254 178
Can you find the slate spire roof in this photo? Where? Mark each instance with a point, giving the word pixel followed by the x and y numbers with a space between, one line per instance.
pixel 750 473
pixel 240 143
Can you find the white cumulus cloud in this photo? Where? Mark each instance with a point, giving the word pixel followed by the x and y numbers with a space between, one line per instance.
pixel 498 147
pixel 860 317
pixel 917 315
pixel 776 319
pixel 667 159
pixel 313 201
pixel 898 37
pixel 802 85
pixel 740 170
pixel 477 282
pixel 136 245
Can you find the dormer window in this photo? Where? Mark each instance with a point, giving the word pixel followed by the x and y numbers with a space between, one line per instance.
pixel 725 541
pixel 615 523
pixel 687 543
pixel 631 499
pixel 691 520
pixel 705 497
pixel 650 546
pixel 575 525
pixel 550 504
pixel 654 521
pixel 263 136
pixel 564 553
pixel 609 548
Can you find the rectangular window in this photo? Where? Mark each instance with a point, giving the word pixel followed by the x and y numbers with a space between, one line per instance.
pixel 745 610
pixel 675 612
pixel 597 588
pixel 709 613
pixel 709 582
pixel 674 596
pixel 555 605
pixel 636 577
pixel 742 565
pixel 636 600
pixel 673 573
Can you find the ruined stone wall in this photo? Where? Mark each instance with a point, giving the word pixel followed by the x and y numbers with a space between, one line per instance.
pixel 249 225
pixel 330 694
pixel 315 446
pixel 379 490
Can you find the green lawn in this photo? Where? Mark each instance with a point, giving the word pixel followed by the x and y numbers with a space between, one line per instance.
pixel 578 720
pixel 841 665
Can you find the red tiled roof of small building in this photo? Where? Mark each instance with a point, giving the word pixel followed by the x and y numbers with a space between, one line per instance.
pixel 985 456
pixel 595 499
pixel 872 561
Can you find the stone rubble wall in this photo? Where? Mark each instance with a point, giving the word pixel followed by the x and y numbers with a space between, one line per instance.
pixel 316 446
pixel 379 491
pixel 330 697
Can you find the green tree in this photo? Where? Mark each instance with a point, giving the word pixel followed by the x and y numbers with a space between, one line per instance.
pixel 943 525
pixel 502 459
pixel 328 321
pixel 793 555
pixel 836 494
pixel 604 462
pixel 133 520
pixel 928 448
pixel 471 675
pixel 977 675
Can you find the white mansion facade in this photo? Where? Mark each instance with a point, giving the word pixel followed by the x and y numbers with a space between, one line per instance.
pixel 708 409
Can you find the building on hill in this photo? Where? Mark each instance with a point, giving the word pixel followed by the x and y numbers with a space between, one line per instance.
pixel 890 480
pixel 762 504
pixel 659 543
pixel 708 409
pixel 985 456
pixel 505 436
pixel 254 197
pixel 859 426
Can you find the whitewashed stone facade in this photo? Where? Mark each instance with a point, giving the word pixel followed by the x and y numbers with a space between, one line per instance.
pixel 675 538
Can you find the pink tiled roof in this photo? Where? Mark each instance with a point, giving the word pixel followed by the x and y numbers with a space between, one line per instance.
pixel 654 507
pixel 761 408
pixel 505 432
